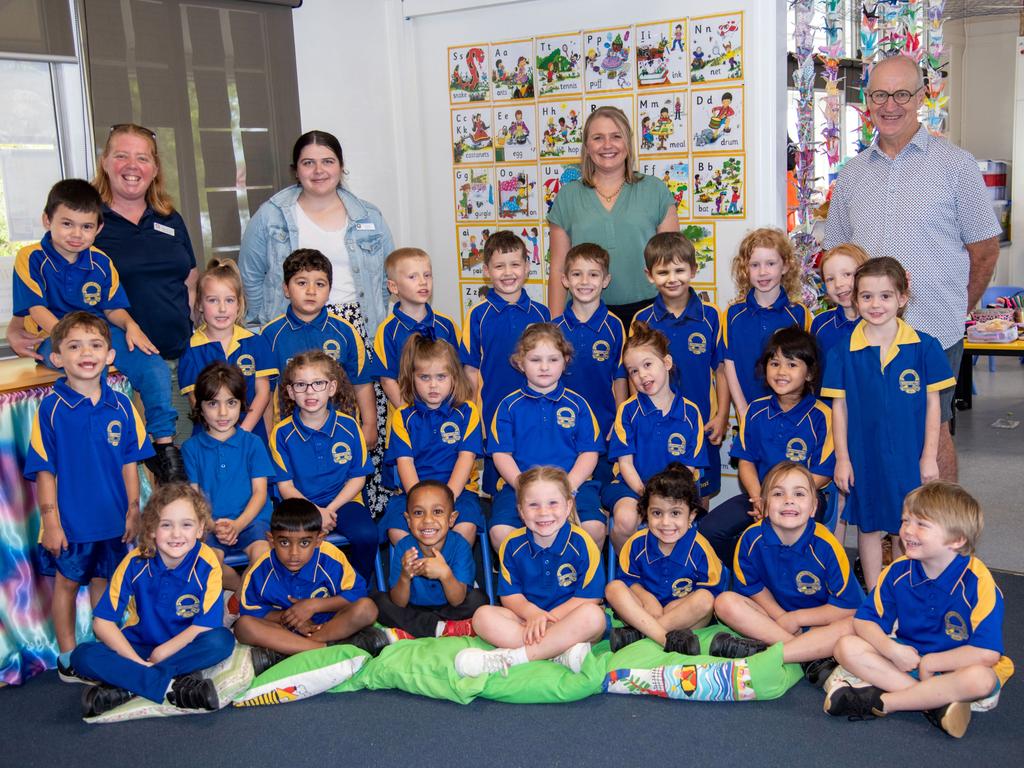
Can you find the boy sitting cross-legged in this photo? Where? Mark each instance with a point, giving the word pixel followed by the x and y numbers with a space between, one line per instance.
pixel 947 650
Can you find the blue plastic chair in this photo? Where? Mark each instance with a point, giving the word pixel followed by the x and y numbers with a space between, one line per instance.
pixel 831 508
pixel 239 560
pixel 992 293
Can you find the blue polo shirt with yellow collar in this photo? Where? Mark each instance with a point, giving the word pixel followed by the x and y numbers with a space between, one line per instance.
pixel 550 429
pixel 548 576
pixel 269 584
pixel 961 606
pixel 433 437
pixel 692 564
pixel 396 329
pixel 288 335
pixel 746 329
pixel 812 572
pixel 886 402
pixel 655 439
pixel 489 338
pixel 597 360
pixel 162 602
pixel 42 277
pixel 85 446
pixel 802 434
pixel 319 461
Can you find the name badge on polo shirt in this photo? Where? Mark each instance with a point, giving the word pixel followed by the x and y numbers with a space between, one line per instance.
pixel 366 226
pixel 163 228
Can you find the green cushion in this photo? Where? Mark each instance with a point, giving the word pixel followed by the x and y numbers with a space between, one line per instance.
pixel 303 675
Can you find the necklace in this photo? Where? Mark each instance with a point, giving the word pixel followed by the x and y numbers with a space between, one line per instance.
pixel 613 195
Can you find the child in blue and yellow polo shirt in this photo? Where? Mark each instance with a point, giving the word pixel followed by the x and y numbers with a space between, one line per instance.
pixel 792 580
pixel 303 594
pixel 86 439
pixel 946 656
pixel 170 588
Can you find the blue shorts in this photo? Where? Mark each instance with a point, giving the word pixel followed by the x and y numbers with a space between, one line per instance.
pixel 467 505
pixel 588 506
pixel 255 531
pixel 81 563
pixel 604 472
pixel 615 492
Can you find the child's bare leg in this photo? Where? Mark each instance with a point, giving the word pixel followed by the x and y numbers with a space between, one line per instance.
pixel 498 534
pixel 252 630
pixel 65 592
pixel 96 589
pixel 504 629
pixel 598 530
pixel 632 611
pixel 860 657
pixel 625 521
pixel 816 642
pixel 346 622
pixel 467 531
pixel 690 612
pixel 869 546
pixel 968 684
pixel 395 535
pixel 748 618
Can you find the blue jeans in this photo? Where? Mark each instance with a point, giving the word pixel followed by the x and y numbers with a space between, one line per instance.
pixel 97 661
pixel 149 376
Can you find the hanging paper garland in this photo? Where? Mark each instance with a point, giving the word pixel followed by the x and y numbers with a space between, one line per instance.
pixel 935 102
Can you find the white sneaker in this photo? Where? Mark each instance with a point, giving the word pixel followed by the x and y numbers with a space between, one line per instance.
pixel 474 662
pixel 573 657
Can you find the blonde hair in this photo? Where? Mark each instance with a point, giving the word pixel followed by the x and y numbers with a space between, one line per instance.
pixel 775 239
pixel 778 472
pixel 399 255
pixel 555 475
pixel 344 398
pixel 617 116
pixel 419 350
pixel 157 197
pixel 161 497
pixel 226 271
pixel 950 507
pixel 854 251
pixel 536 334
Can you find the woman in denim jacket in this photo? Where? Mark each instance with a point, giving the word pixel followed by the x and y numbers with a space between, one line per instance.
pixel 318 212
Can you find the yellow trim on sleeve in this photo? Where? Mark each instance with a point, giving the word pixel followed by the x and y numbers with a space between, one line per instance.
pixel 828 447
pixel 348 573
pixel 115 281
pixel 378 340
pixel 501 553
pixel 36 440
pixel 117 580
pixel 593 553
pixel 396 426
pixel 823 533
pixel 248 577
pixel 940 385
pixel 274 454
pixel 834 393
pixel 986 599
pixel 24 271
pixel 714 564
pixel 474 419
pixel 140 427
pixel 625 553
pixel 215 581
pixel 620 431
pixel 877 597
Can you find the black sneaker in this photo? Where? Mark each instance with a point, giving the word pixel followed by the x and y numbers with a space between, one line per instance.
pixel 370 639
pixel 193 692
pixel 68 674
pixel 166 464
pixel 864 703
pixel 264 658
pixel 623 636
pixel 952 718
pixel 97 699
pixel 726 646
pixel 682 641
pixel 858 572
pixel 816 672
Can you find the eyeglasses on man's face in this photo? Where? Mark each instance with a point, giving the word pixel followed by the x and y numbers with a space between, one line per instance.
pixel 878 98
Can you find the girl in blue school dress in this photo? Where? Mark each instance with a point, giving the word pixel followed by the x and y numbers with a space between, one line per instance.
pixel 884 384
pixel 436 435
pixel 652 429
pixel 320 453
pixel 220 302
pixel 230 466
pixel 170 588
pixel 544 423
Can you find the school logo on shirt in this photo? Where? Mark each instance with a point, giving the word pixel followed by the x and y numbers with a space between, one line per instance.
pixel 187 606
pixel 601 351
pixel 566 575
pixel 956 627
pixel 246 364
pixel 807 583
pixel 450 433
pixel 341 453
pixel 114 433
pixel 319 592
pixel 796 450
pixel 682 587
pixel 910 382
pixel 566 418
pixel 697 343
pixel 91 293
pixel 332 348
pixel 676 444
